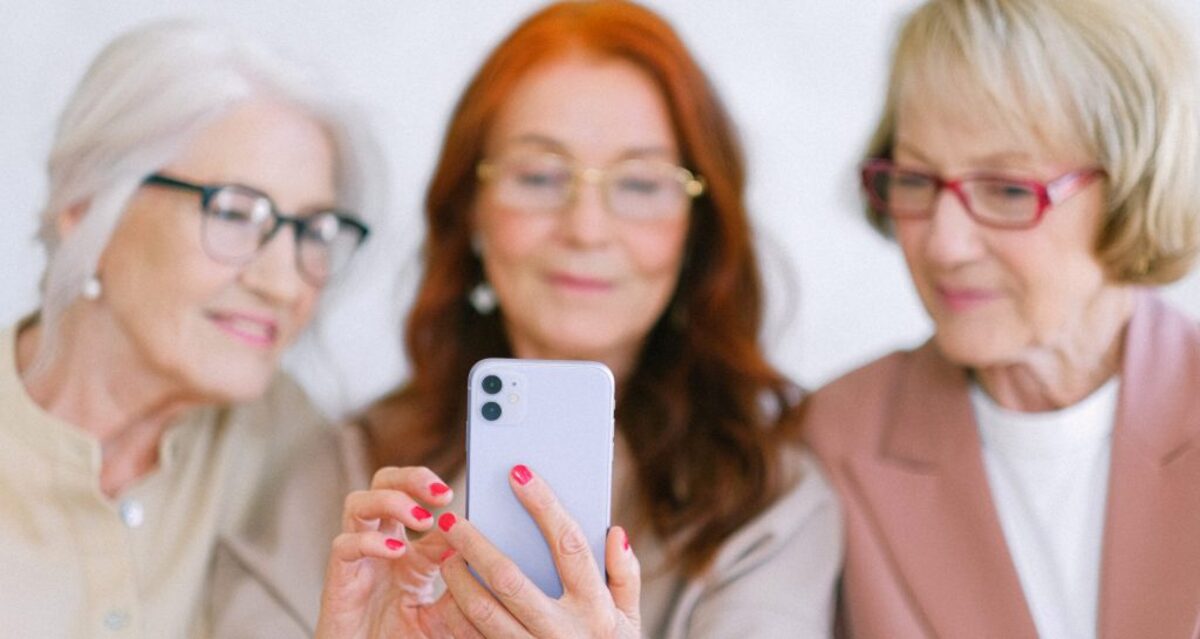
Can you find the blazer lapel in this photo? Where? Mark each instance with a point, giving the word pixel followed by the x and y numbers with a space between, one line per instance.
pixel 1150 576
pixel 927 493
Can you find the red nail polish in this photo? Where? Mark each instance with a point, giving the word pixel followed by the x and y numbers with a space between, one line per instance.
pixel 437 489
pixel 394 544
pixel 447 521
pixel 420 513
pixel 446 555
pixel 626 540
pixel 522 474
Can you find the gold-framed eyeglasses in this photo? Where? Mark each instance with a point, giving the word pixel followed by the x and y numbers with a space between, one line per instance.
pixel 632 189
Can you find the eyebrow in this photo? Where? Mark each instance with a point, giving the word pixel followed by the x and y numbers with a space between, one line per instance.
pixel 552 144
pixel 1000 159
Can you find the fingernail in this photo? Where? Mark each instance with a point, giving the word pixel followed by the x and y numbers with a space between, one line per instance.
pixel 447 521
pixel 446 555
pixel 626 540
pixel 421 513
pixel 394 544
pixel 437 489
pixel 521 474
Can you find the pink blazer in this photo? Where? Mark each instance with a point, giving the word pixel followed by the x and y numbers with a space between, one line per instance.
pixel 925 554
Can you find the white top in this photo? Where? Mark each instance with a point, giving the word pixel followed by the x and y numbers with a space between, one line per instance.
pixel 1048 474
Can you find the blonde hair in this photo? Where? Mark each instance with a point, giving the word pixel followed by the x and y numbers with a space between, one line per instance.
pixel 139 104
pixel 1113 77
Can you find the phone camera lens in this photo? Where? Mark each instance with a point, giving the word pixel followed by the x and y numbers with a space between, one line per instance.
pixel 491 411
pixel 492 385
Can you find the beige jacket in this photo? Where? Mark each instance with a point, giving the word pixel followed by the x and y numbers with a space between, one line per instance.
pixel 774 578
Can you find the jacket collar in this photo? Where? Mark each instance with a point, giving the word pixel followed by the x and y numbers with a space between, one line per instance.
pixel 1150 573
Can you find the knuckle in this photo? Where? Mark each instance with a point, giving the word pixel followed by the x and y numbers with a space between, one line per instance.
pixel 382 475
pixel 353 500
pixel 346 544
pixel 480 611
pixel 507 580
pixel 571 541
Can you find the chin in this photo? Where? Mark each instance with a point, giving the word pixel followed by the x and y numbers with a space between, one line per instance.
pixel 972 349
pixel 246 383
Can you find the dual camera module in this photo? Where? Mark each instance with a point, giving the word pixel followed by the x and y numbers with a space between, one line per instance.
pixel 491 410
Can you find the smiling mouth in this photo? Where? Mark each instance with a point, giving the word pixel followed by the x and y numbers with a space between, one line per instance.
pixel 580 283
pixel 965 299
pixel 255 332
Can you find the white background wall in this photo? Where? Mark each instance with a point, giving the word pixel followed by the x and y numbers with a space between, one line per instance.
pixel 803 79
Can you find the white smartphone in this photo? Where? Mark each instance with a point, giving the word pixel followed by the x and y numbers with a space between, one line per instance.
pixel 556 417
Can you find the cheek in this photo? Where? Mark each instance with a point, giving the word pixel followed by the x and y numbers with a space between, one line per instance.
pixel 656 252
pixel 512 237
pixel 910 236
pixel 1053 279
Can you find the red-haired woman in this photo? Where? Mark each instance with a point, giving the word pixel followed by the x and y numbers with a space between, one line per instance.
pixel 588 204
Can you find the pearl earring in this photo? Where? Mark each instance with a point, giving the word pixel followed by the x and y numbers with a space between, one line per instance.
pixel 483 298
pixel 91 288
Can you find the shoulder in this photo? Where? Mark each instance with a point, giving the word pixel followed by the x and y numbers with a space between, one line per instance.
pixel 808 511
pixel 777 575
pixel 845 411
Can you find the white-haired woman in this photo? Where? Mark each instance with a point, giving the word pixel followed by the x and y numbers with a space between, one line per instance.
pixel 1034 469
pixel 198 195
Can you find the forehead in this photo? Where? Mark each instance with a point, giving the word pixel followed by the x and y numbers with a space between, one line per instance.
pixel 273 147
pixel 596 109
pixel 946 110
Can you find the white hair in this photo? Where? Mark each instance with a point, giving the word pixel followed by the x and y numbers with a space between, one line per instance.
pixel 137 107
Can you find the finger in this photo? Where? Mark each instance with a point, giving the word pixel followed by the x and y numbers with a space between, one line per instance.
pixel 572 555
pixel 350 547
pixel 379 508
pixel 419 482
pixel 518 594
pixel 345 593
pixel 624 574
pixel 477 605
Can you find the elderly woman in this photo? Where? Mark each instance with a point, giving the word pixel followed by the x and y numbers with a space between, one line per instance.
pixel 193 219
pixel 588 205
pixel 1032 470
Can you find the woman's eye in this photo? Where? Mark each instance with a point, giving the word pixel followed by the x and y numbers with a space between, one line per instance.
pixel 237 216
pixel 539 179
pixel 639 186
pixel 1009 191
pixel 322 228
pixel 910 181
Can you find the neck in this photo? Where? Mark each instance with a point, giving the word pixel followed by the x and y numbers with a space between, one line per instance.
pixel 95 384
pixel 1066 371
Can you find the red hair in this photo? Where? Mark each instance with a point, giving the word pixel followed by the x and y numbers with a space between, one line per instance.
pixel 700 409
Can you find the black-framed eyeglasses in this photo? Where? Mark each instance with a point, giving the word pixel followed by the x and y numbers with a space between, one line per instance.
pixel 992 200
pixel 238 221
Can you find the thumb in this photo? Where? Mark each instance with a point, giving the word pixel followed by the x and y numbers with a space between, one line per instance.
pixel 624 574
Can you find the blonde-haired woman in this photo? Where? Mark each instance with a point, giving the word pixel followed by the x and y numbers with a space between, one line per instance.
pixel 1032 470
pixel 194 216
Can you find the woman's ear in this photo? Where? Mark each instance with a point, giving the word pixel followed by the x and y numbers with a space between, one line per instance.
pixel 68 218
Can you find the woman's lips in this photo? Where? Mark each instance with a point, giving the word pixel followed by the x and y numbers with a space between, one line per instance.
pixel 256 331
pixel 965 299
pixel 580 283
